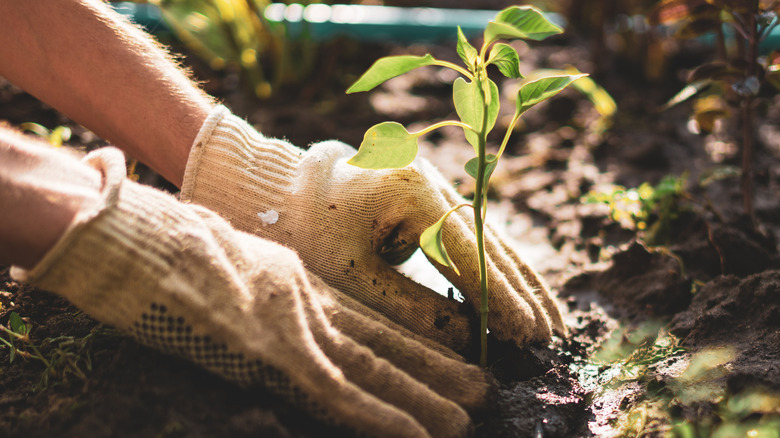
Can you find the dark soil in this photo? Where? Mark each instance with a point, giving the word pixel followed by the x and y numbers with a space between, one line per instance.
pixel 713 280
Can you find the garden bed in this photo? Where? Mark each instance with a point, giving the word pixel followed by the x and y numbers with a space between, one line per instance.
pixel 707 297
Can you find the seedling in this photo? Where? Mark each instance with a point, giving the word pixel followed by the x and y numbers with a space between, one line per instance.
pixel 61 357
pixel 476 99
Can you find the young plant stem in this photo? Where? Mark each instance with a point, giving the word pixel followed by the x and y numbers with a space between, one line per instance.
pixel 479 231
pixel 479 216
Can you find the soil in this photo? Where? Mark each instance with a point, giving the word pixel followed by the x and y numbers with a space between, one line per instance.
pixel 710 283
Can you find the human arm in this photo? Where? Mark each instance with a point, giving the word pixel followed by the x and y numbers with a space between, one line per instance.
pixel 41 190
pixel 180 279
pixel 88 62
pixel 339 219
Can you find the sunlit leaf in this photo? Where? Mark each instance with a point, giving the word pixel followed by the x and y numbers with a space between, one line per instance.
pixel 472 167
pixel 387 145
pixel 16 323
pixel 524 22
pixel 432 244
pixel 687 92
pixel 533 92
pixel 466 51
pixel 599 97
pixel 709 109
pixel 388 68
pixel 506 59
pixel 467 97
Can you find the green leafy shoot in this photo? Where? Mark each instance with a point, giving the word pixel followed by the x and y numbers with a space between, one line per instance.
pixel 476 100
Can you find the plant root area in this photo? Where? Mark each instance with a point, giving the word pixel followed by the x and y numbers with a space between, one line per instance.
pixel 671 333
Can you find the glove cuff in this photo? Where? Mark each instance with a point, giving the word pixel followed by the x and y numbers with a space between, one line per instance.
pixel 231 165
pixel 119 238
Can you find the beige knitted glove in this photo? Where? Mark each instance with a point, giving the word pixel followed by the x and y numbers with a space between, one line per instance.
pixel 340 219
pixel 180 279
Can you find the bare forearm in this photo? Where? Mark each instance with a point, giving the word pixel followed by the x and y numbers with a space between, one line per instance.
pixel 41 191
pixel 89 63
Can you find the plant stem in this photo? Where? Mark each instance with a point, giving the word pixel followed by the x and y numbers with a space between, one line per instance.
pixel 479 207
pixel 443 124
pixel 455 67
pixel 479 231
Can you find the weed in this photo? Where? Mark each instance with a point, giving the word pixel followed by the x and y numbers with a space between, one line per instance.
pixel 652 210
pixel 689 403
pixel 61 357
pixel 476 99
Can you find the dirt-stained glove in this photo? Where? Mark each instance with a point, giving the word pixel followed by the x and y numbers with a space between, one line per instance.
pixel 341 219
pixel 179 278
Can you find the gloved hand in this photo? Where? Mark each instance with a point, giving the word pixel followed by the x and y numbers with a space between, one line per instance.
pixel 341 219
pixel 180 279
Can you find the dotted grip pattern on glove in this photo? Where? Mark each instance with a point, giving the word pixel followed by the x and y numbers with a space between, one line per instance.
pixel 180 279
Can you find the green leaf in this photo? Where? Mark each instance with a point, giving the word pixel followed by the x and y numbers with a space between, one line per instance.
pixel 433 246
pixel 539 90
pixel 687 92
pixel 466 51
pixel 16 323
pixel 387 145
pixel 506 59
pixel 524 22
pixel 388 68
pixel 472 167
pixel 467 97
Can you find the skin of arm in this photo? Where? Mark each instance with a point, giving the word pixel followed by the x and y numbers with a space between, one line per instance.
pixel 87 61
pixel 41 191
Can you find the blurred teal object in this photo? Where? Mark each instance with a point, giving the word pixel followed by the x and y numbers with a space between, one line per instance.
pixel 366 23
pixel 322 22
pixel 381 23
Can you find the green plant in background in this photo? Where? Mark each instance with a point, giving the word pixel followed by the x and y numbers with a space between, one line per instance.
pixel 648 209
pixel 234 32
pixel 476 99
pixel 61 357
pixel 733 80
pixel 56 137
pixel 692 402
